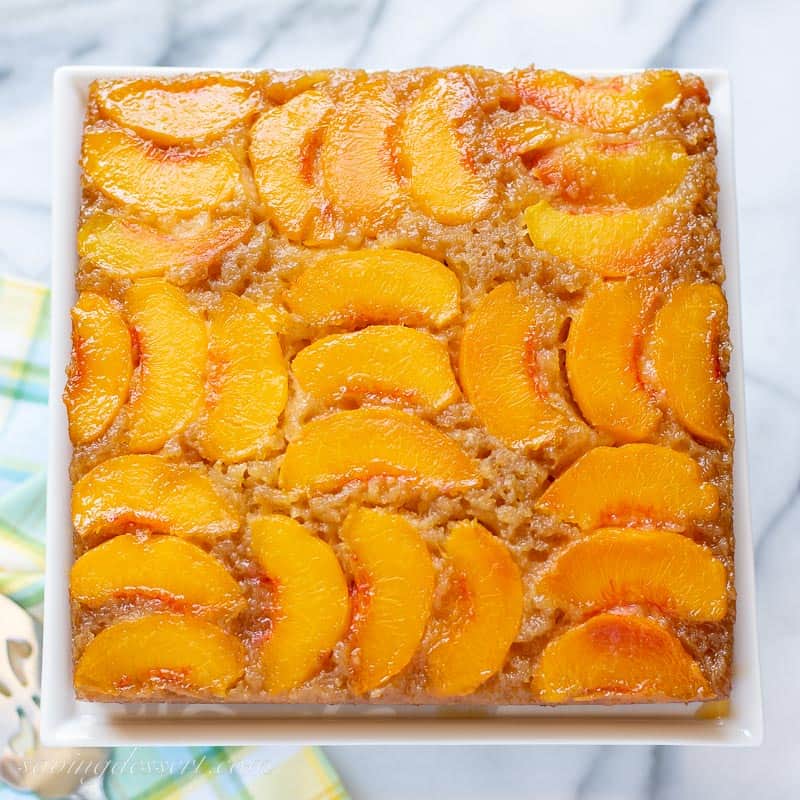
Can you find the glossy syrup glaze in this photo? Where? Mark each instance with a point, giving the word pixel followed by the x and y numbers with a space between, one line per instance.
pixel 551 249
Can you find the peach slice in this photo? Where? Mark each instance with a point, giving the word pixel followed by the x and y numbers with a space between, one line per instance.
pixel 143 491
pixel 182 111
pixel 633 174
pixel 247 384
pixel 166 568
pixel 685 352
pixel 283 85
pixel 442 177
pixel 357 154
pixel 611 243
pixel 125 248
pixel 615 656
pixel 394 578
pixel 160 653
pixel 603 350
pixel 611 105
pixel 363 287
pixel 310 606
pixel 486 616
pixel 499 370
pixel 283 148
pixel 356 445
pixel 635 483
pixel 380 361
pixel 100 368
pixel 142 176
pixel 168 387
pixel 528 129
pixel 625 566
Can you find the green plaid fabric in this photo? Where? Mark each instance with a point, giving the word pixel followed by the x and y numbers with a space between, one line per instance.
pixel 24 313
pixel 175 773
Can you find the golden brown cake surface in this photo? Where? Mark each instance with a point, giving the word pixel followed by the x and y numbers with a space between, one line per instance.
pixel 401 388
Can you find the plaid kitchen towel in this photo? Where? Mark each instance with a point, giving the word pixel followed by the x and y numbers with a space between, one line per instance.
pixel 174 773
pixel 24 313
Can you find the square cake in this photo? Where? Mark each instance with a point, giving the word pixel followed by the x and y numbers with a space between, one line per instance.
pixel 400 388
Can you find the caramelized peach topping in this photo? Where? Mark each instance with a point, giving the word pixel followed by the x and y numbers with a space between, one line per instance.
pixel 685 349
pixel 394 579
pixel 356 445
pixel 223 498
pixel 381 361
pixel 309 609
pixel 247 383
pixel 635 483
pixel 144 491
pixel 100 368
pixel 355 288
pixel 613 656
pixel 626 566
pixel 143 177
pixel 603 354
pixel 486 614
pixel 515 398
pixel 160 654
pixel 185 111
pixel 606 105
pixel 167 568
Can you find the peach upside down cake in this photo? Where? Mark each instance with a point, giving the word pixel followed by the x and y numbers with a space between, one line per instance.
pixel 402 388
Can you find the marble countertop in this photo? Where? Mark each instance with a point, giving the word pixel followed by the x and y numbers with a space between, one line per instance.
pixel 756 41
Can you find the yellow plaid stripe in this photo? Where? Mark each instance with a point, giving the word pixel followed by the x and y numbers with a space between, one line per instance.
pixel 23 321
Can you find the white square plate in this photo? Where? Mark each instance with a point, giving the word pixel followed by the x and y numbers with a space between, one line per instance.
pixel 66 721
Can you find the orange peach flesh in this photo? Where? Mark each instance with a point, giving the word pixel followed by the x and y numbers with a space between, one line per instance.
pixel 310 608
pixel 441 177
pixel 125 248
pixel 348 446
pixel 394 584
pixel 143 177
pixel 178 573
pixel 626 566
pixel 185 111
pixel 380 361
pixel 643 484
pixel 612 244
pixel 485 618
pixel 686 359
pixel 284 144
pixel 160 653
pixel 499 371
pixel 630 175
pixel 610 106
pixel 357 155
pixel 100 369
pixel 168 384
pixel 603 354
pixel 147 492
pixel 247 385
pixel 614 657
pixel 351 289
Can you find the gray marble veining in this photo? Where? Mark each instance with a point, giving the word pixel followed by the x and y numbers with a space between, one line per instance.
pixel 756 41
